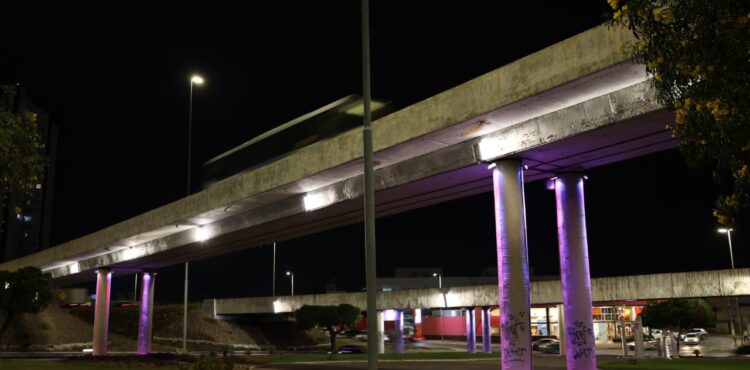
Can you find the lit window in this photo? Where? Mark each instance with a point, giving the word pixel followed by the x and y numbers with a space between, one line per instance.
pixel 38 186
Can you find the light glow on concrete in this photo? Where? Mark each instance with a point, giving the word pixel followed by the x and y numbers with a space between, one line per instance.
pixel 490 148
pixel 202 234
pixel 318 199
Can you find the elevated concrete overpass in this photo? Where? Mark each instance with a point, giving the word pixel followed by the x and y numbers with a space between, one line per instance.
pixel 701 284
pixel 579 103
pixel 575 105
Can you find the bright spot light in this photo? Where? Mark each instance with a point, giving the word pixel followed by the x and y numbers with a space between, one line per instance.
pixel 201 234
pixel 288 273
pixel 317 200
pixel 198 80
pixel 724 230
pixel 74 268
pixel 434 274
pixel 489 148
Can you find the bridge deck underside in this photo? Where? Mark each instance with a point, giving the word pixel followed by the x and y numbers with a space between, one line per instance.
pixel 636 137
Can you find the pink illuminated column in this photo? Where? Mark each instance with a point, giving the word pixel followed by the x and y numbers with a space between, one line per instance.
pixel 101 312
pixel 471 330
pixel 486 330
pixel 398 342
pixel 145 317
pixel 512 265
pixel 580 349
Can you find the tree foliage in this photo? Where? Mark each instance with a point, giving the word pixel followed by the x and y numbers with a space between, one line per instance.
pixel 332 318
pixel 679 314
pixel 699 54
pixel 23 291
pixel 21 159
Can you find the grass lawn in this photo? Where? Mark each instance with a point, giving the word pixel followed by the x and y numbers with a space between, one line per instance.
pixel 386 356
pixel 683 364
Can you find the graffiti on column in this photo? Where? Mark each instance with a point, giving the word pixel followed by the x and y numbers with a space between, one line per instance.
pixel 579 338
pixel 512 327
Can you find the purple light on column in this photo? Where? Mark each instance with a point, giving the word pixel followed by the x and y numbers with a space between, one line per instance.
pixel 146 313
pixel 580 349
pixel 101 312
pixel 398 342
pixel 486 330
pixel 513 267
pixel 471 331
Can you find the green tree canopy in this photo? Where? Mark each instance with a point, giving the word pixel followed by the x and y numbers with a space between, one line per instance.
pixel 21 159
pixel 332 318
pixel 698 52
pixel 679 314
pixel 23 291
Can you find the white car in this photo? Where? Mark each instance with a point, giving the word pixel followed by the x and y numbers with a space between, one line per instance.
pixel 692 338
pixel 702 333
pixel 656 333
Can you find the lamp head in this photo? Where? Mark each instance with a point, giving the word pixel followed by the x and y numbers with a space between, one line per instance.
pixel 198 80
pixel 724 230
pixel 288 273
pixel 434 274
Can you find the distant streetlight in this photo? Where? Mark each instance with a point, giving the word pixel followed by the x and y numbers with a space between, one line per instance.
pixel 194 80
pixel 729 238
pixel 440 279
pixel 291 274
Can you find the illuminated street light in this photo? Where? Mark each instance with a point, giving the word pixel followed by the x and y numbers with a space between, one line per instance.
pixel 201 235
pixel 440 279
pixel 729 238
pixel 291 274
pixel 198 80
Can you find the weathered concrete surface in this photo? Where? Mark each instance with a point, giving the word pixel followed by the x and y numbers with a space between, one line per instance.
pixel 701 284
pixel 564 74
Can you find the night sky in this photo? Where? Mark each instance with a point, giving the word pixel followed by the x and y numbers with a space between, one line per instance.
pixel 115 81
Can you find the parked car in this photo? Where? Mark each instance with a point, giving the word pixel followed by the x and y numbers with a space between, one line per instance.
pixel 692 338
pixel 345 350
pixel 539 342
pixel 656 333
pixel 550 347
pixel 649 342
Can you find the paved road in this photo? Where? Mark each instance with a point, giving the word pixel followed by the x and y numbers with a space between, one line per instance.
pixel 541 362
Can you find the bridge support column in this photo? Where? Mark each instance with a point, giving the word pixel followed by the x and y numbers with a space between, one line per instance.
pixel 145 317
pixel 381 332
pixel 471 330
pixel 101 312
pixel 512 265
pixel 486 330
pixel 398 341
pixel 580 349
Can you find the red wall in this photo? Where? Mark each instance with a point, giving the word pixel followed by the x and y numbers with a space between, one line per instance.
pixel 456 325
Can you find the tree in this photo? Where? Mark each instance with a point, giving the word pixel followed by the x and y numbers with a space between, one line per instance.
pixel 21 159
pixel 698 52
pixel 23 291
pixel 679 315
pixel 333 318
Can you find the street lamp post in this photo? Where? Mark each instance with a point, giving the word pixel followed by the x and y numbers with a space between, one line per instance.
pixel 728 231
pixel 291 275
pixel 194 80
pixel 729 239
pixel 440 279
